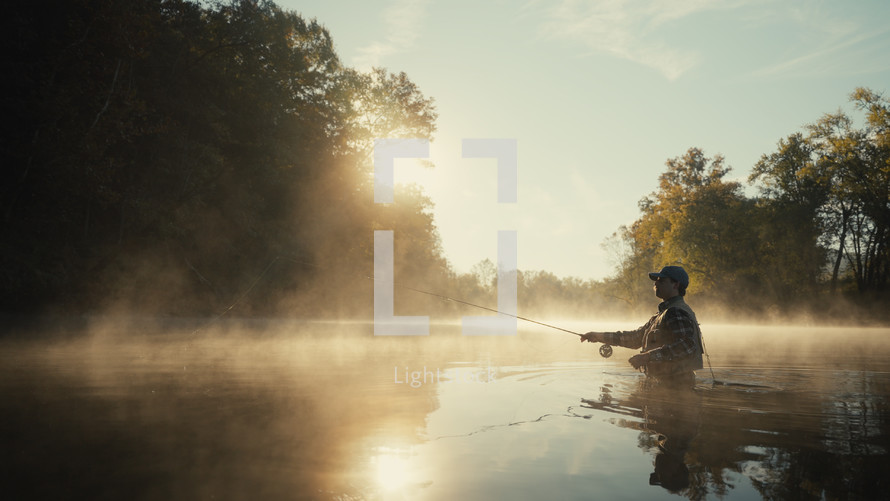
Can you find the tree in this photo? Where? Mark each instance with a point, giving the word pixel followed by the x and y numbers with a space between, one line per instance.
pixel 376 105
pixel 697 220
pixel 486 274
pixel 855 164
pixel 386 105
pixel 823 210
pixel 789 219
pixel 631 264
pixel 181 147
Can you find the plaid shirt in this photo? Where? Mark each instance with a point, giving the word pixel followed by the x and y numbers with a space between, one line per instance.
pixel 668 335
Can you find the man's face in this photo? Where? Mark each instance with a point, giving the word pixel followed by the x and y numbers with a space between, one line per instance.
pixel 665 288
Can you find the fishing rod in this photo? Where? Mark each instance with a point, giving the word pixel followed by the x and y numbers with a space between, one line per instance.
pixel 461 301
pixel 453 299
pixel 605 349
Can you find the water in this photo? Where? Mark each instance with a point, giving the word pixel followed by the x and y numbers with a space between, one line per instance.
pixel 329 411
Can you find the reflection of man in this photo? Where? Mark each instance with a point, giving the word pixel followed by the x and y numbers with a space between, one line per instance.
pixel 670 472
pixel 670 340
pixel 668 417
pixel 675 417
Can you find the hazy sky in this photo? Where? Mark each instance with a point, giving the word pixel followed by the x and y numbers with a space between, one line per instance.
pixel 598 95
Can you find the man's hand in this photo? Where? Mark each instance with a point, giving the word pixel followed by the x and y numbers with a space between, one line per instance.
pixel 639 360
pixel 592 337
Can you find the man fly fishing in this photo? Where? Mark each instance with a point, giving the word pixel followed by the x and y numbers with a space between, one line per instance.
pixel 671 340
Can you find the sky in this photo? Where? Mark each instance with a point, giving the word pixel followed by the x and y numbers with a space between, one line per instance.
pixel 598 96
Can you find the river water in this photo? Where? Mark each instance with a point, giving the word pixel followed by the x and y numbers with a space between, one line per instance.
pixel 314 410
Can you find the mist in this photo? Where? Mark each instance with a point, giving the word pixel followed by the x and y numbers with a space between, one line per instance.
pixel 150 409
pixel 188 291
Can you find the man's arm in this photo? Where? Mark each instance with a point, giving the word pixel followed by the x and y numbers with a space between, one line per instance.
pixel 628 339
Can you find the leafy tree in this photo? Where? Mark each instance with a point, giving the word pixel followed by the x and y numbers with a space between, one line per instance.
pixel 632 265
pixel 789 221
pixel 182 147
pixel 376 105
pixel 486 274
pixel 386 105
pixel 824 194
pixel 837 181
pixel 697 220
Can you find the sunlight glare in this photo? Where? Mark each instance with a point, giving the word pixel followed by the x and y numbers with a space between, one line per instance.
pixel 416 171
pixel 392 470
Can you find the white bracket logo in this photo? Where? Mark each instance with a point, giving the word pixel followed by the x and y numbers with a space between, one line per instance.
pixel 386 323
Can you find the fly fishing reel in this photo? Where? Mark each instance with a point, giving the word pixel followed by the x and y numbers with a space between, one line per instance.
pixel 605 351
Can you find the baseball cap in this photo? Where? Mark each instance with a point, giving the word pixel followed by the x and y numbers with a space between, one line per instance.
pixel 675 273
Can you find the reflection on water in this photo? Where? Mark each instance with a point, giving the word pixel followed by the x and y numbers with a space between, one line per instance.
pixel 328 411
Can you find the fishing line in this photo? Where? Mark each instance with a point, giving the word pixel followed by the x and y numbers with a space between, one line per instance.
pixel 701 337
pixel 454 299
pixel 447 298
pixel 605 350
pixel 493 310
pixel 241 297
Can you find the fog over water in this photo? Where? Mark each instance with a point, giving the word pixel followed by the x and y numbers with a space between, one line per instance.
pixel 193 161
pixel 326 410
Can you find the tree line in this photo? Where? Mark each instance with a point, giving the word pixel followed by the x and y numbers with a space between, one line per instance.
pixel 815 236
pixel 813 243
pixel 185 158
pixel 161 154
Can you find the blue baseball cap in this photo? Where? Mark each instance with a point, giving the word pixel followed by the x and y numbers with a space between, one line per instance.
pixel 675 273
